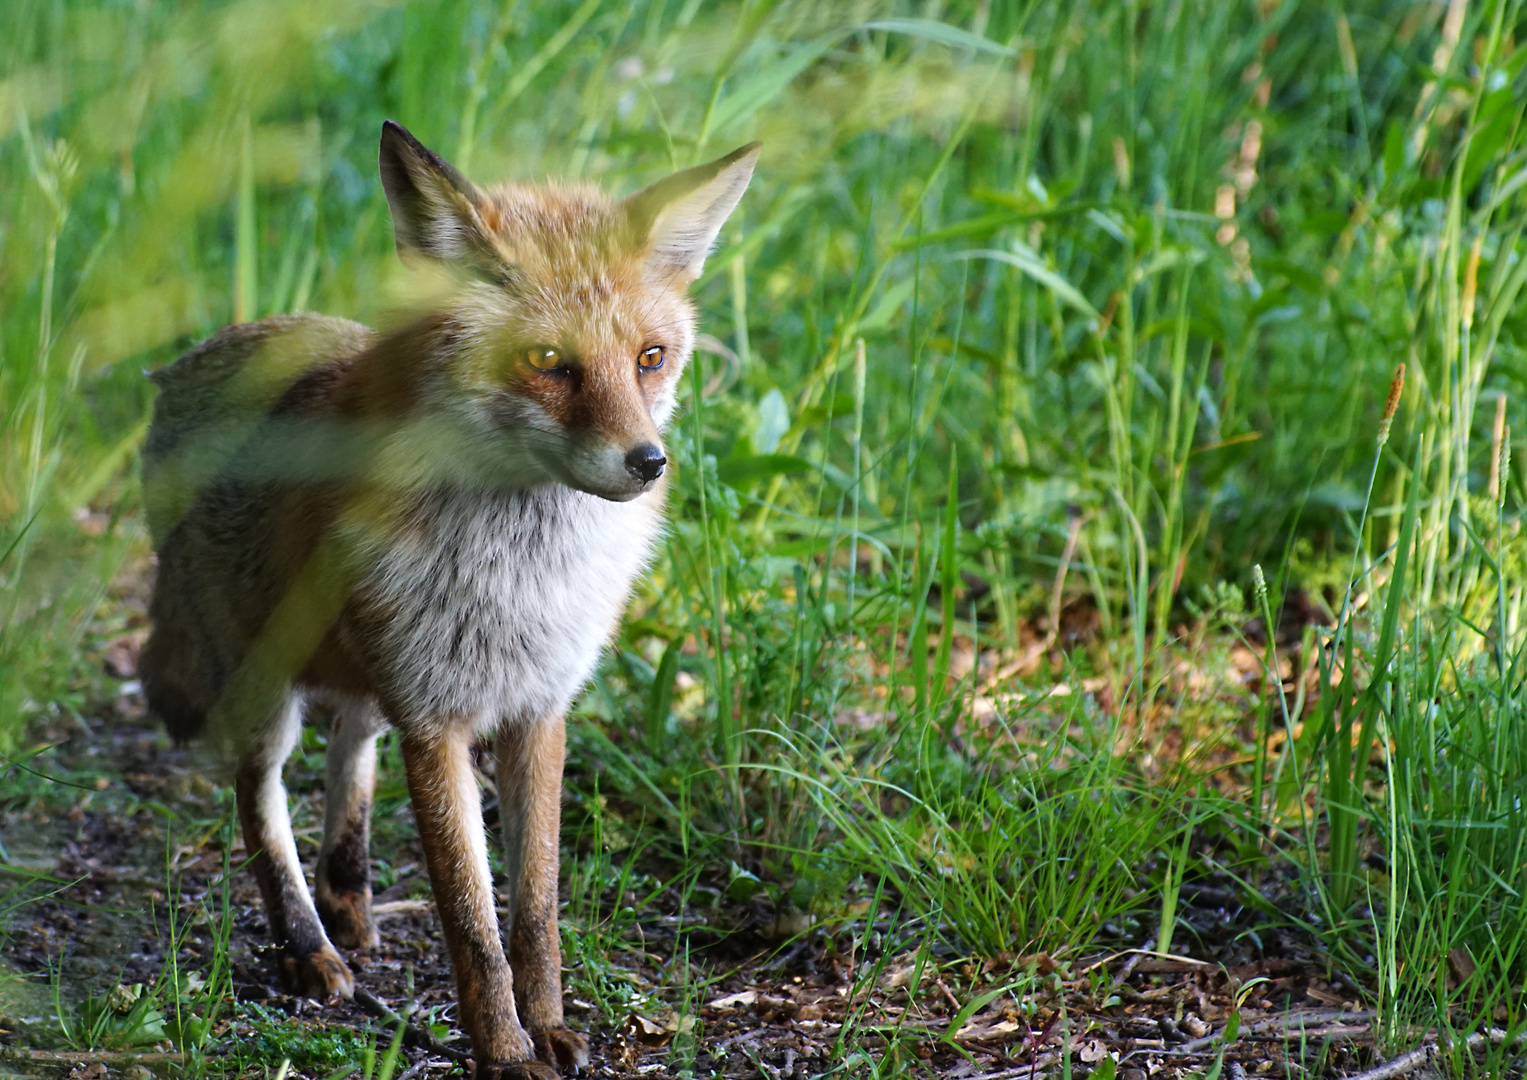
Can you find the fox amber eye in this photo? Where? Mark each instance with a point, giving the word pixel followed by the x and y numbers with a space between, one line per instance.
pixel 543 358
pixel 651 359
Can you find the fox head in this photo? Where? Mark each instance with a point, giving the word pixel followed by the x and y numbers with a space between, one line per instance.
pixel 569 338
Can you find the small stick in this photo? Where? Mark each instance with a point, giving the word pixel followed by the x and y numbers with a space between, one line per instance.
pixel 1129 965
pixel 949 997
pixel 1285 1025
pixel 1021 1072
pixel 1401 1065
pixel 1421 1055
pixel 414 1036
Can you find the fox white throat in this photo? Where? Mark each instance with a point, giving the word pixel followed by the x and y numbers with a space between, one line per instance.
pixel 499 603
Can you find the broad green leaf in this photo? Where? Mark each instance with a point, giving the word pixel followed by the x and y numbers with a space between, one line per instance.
pixel 765 85
pixel 890 304
pixel 773 422
pixel 1026 260
pixel 941 32
pixel 746 470
pixel 768 83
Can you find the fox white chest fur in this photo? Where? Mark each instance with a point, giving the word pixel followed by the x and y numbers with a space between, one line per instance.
pixel 500 602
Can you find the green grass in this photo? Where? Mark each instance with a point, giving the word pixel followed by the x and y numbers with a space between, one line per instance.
pixel 1032 305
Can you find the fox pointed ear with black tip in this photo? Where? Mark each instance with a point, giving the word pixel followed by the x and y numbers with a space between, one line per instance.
pixel 435 210
pixel 677 219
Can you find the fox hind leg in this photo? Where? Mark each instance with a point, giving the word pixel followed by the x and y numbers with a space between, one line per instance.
pixel 312 967
pixel 530 758
pixel 342 882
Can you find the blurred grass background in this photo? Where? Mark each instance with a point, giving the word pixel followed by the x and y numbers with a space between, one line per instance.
pixel 1040 314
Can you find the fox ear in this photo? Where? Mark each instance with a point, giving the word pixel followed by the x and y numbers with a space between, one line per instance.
pixel 677 219
pixel 435 210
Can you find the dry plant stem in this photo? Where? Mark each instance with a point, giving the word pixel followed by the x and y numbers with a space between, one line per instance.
pixel 1058 589
pixel 414 1036
pixel 1057 594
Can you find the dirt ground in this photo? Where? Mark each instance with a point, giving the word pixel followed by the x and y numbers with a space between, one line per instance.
pixel 115 840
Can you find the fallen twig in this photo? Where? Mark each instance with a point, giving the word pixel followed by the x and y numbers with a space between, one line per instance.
pixel 1021 1072
pixel 1422 1055
pixel 1129 965
pixel 389 908
pixel 1400 1065
pixel 949 997
pixel 89 1057
pixel 414 1036
pixel 1302 1022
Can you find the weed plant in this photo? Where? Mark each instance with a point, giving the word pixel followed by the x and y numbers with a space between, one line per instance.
pixel 1036 308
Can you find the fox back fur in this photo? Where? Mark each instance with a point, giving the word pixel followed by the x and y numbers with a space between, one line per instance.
pixel 436 528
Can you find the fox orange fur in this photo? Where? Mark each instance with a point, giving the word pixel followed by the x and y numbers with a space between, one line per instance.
pixel 435 529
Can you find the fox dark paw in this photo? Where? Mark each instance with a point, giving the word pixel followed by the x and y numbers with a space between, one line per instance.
pixel 320 975
pixel 347 918
pixel 562 1047
pixel 521 1070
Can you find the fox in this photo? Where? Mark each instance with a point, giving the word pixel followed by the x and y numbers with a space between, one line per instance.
pixel 435 529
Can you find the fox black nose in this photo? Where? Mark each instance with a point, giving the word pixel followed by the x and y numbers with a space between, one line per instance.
pixel 646 463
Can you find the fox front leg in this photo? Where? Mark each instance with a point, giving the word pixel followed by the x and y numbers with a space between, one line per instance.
pixel 530 760
pixel 342 882
pixel 312 967
pixel 448 810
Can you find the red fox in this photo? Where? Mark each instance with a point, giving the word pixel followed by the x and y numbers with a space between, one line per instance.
pixel 435 528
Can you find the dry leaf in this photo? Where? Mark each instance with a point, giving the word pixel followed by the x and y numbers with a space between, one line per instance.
pixel 1092 1051
pixel 739 1000
pixel 999 1031
pixel 787 925
pixel 658 1029
pixel 1460 963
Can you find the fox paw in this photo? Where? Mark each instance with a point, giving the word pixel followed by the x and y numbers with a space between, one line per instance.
pixel 319 975
pixel 562 1047
pixel 521 1070
pixel 347 918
